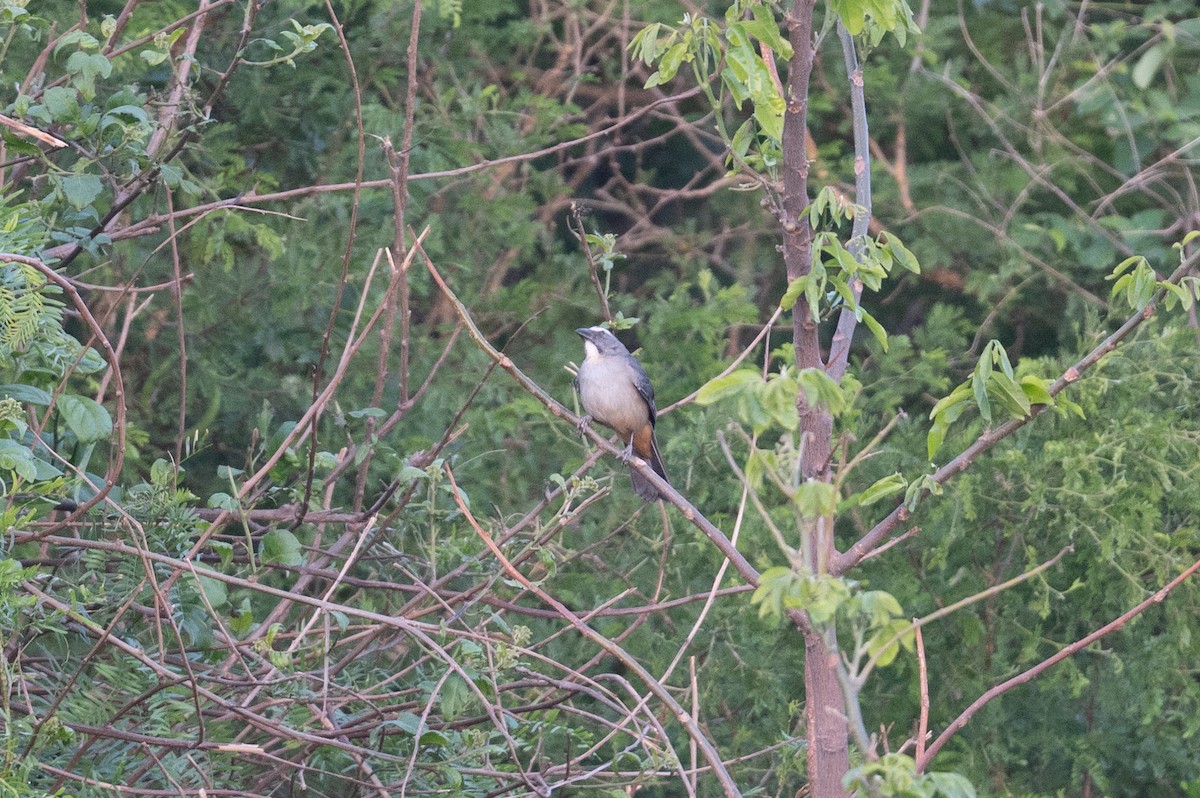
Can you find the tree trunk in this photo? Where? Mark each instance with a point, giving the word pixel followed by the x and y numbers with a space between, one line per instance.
pixel 825 717
pixel 825 714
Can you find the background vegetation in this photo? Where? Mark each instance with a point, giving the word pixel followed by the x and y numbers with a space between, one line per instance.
pixel 275 523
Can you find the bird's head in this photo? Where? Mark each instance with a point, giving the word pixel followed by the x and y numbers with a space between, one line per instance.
pixel 599 342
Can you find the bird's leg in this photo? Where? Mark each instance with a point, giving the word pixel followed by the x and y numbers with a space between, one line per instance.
pixel 585 421
pixel 627 455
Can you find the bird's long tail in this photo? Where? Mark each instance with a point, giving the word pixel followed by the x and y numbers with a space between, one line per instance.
pixel 648 451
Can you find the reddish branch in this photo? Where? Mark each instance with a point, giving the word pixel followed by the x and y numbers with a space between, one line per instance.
pixel 682 716
pixel 748 572
pixel 990 438
pixel 1032 673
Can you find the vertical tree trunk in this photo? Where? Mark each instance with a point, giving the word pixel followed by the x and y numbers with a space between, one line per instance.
pixel 824 714
pixel 828 750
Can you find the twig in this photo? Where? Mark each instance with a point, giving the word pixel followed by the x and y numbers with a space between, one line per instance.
pixel 737 361
pixel 575 223
pixel 923 678
pixel 942 612
pixel 843 336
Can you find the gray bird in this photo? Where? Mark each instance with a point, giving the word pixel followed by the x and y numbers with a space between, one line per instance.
pixel 616 391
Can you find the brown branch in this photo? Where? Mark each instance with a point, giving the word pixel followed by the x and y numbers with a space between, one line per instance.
pixel 309 416
pixel 1032 673
pixel 989 438
pixel 336 305
pixel 923 677
pixel 747 571
pixel 575 224
pixel 660 692
pixel 180 331
pixel 144 227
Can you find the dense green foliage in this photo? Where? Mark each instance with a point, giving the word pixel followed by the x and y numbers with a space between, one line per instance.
pixel 345 630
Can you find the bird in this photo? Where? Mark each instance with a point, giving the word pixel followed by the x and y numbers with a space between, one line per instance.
pixel 616 391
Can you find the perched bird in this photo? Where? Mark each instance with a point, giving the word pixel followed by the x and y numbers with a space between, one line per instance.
pixel 615 391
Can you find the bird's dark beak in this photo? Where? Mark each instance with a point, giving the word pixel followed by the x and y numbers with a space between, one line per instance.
pixel 583 332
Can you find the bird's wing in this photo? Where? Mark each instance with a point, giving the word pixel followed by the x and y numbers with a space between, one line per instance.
pixel 642 381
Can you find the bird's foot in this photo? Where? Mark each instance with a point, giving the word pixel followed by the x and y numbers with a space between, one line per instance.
pixel 584 423
pixel 627 455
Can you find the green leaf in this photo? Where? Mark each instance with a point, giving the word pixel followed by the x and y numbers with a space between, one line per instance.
pixel 81 190
pixel 958 395
pixel 1176 294
pixel 937 434
pixel 1036 391
pixel 1063 406
pixel 1147 66
pixel 214 591
pixel 768 112
pixel 90 362
pixel 154 57
pixel 1001 358
pixel 283 547
pixel 949 785
pixel 409 473
pixel 455 697
pixel 742 139
pixel 884 645
pixel 86 67
pixel 876 329
pixel 18 459
pixel 1145 281
pixel 979 387
pixel 917 490
pixel 773 584
pixel 821 596
pixel 81 39
pixel 62 103
pixel 85 417
pixel 1125 265
pixel 765 29
pixel 1009 394
pixel 882 489
pixel 224 550
pixel 645 44
pixel 162 472
pixel 731 384
pixel 944 413
pixel 435 738
pixel 853 14
pixel 243 620
pixel 821 390
pixel 669 64
pixel 223 501
pixel 794 290
pixel 778 398
pixel 228 473
pixel 815 499
pixel 879 606
pixel 26 393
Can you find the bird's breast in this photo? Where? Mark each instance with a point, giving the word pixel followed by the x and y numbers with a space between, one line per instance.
pixel 610 396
